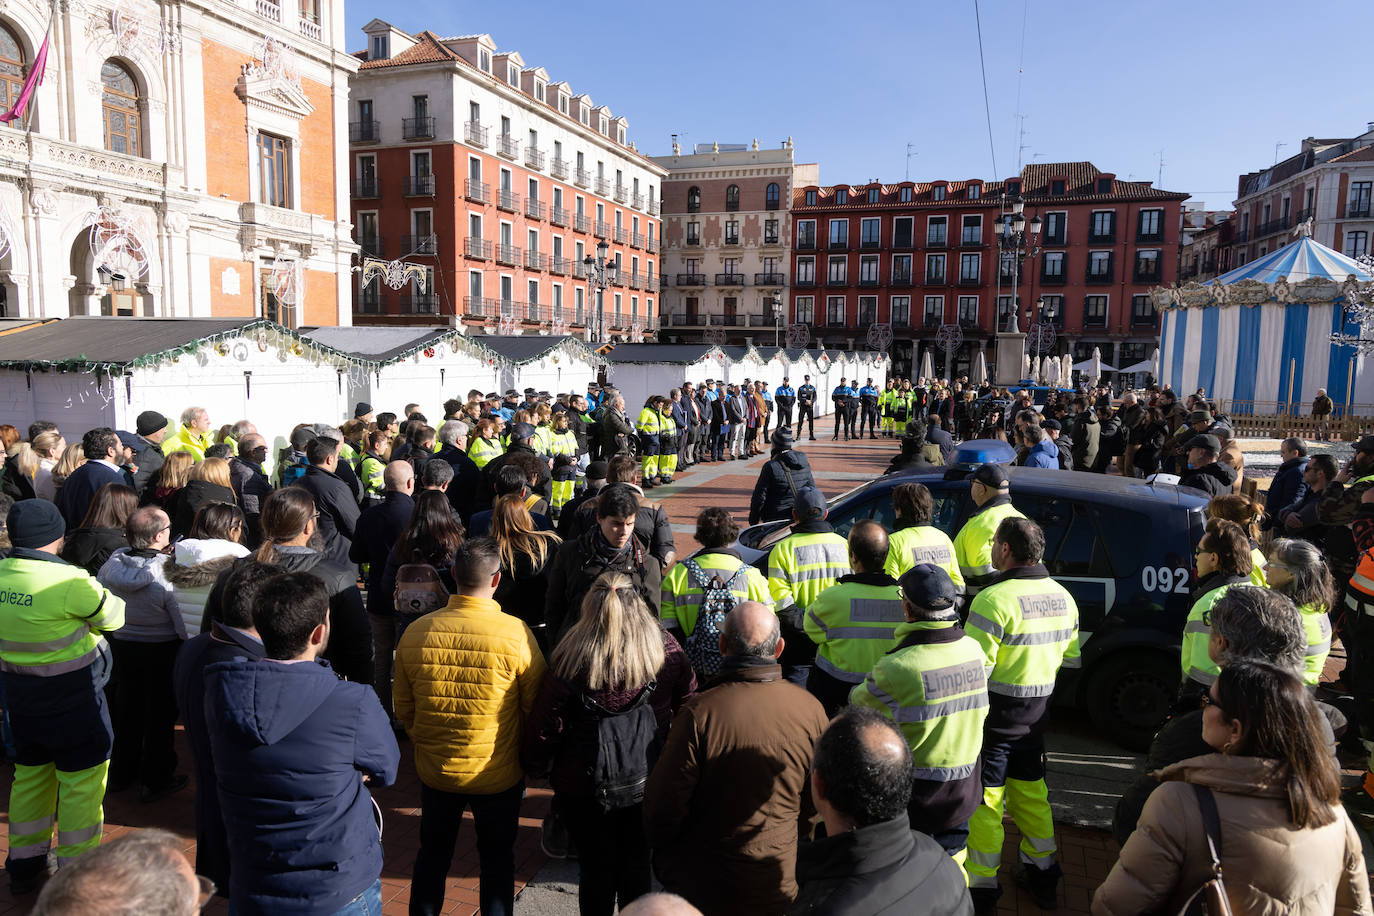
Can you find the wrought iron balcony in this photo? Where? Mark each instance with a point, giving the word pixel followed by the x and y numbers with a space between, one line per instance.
pixel 1102 238
pixel 939 240
pixel 558 265
pixel 507 254
pixel 1147 276
pixel 1053 279
pixel 870 244
pixel 507 146
pixel 838 245
pixel 936 279
pixel 365 187
pixel 1146 238
pixel 478 191
pixel 603 229
pixel 478 249
pixel 476 134
pixel 729 279
pixel 1094 321
pixel 370 300
pixel 900 279
pixel 536 260
pixel 481 306
pixel 622 193
pixel 1241 237
pixel 534 209
pixel 507 200
pixel 691 279
pixel 767 279
pixel 419 186
pixel 1100 277
pixel 971 241
pixel 364 132
pixel 603 187
pixel 1358 210
pixel 1304 213
pixel 534 158
pixel 806 243
pixel 732 240
pixel 1271 227
pixel 805 282
pixel 420 244
pixel 419 303
pixel 637 239
pixel 965 280
pixel 652 246
pixel 620 236
pixel 837 280
pixel 417 128
pixel 582 222
pixel 372 244
pixel 559 168
pixel 771 239
pixel 638 202
pixel 903 242
pixel 583 178
pixel 558 216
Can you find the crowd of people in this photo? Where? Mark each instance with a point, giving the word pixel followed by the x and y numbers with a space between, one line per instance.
pixel 841 731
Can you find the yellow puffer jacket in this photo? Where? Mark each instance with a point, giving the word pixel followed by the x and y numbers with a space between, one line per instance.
pixel 466 679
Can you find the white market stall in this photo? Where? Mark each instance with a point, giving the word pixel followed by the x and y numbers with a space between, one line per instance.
pixel 545 363
pixel 86 372
pixel 421 365
pixel 642 369
pixel 742 363
pixel 1260 336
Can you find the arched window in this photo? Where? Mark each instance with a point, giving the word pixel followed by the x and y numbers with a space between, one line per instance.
pixel 119 102
pixel 732 197
pixel 693 199
pixel 771 196
pixel 12 71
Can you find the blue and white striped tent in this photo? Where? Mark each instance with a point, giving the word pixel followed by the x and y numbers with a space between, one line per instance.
pixel 1261 334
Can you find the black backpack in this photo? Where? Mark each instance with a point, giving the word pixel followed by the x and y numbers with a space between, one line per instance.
pixel 625 748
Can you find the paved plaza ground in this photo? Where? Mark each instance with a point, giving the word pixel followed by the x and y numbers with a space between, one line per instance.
pixel 1086 774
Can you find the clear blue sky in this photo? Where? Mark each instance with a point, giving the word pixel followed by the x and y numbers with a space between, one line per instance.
pixel 1214 84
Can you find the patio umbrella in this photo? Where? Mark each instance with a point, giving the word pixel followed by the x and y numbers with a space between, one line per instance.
pixel 1066 369
pixel 1052 371
pixel 927 365
pixel 980 368
pixel 1095 369
pixel 1154 360
pixel 1025 365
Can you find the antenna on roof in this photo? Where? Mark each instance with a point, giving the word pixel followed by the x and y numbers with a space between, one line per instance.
pixel 910 151
pixel 1159 182
pixel 1277 147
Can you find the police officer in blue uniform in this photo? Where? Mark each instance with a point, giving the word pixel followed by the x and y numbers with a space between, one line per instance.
pixel 843 396
pixel 785 397
pixel 868 401
pixel 806 407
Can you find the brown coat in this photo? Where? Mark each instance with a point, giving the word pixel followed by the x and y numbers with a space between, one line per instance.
pixel 729 795
pixel 1233 456
pixel 1270 866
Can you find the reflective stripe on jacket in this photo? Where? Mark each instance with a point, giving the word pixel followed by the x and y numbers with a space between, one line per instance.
pixel 54 614
pixel 854 623
pixel 922 544
pixel 803 565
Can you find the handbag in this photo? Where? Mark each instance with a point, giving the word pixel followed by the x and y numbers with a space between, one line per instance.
pixel 1209 899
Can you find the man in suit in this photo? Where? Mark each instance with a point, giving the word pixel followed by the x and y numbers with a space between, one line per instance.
pixel 379 527
pixel 103 453
pixel 462 492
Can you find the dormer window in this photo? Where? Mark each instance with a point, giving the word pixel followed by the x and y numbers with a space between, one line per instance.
pixel 484 61
pixel 620 136
pixel 381 47
pixel 841 196
pixel 1104 186
pixel 539 90
pixel 873 195
pixel 937 192
pixel 975 191
pixel 512 75
pixel 811 198
pixel 602 127
pixel 563 104
pixel 904 195
pixel 1057 187
pixel 1014 188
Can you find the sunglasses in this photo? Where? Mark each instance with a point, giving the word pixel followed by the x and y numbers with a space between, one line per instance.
pixel 1206 699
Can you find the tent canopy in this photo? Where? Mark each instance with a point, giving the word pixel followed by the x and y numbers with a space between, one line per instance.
pixel 1087 365
pixel 1301 259
pixel 1147 365
pixel 679 354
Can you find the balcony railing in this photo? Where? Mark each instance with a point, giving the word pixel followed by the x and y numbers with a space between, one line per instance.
pixel 769 279
pixel 868 281
pixel 534 158
pixel 638 202
pixel 417 128
pixel 418 303
pixel 559 168
pixel 1147 276
pixel 507 200
pixel 903 243
pixel 365 187
pixel 970 281
pixel 582 222
pixel 603 229
pixel 370 300
pixel 476 134
pixel 937 241
pixel 622 193
pixel 481 306
pixel 652 209
pixel 691 279
pixel 534 209
pixel 620 236
pixel 1304 213
pixel 652 246
pixel 269 9
pixel 479 191
pixel 558 216
pixel 937 279
pixel 507 254
pixel 310 29
pixel 419 186
pixel 1241 237
pixel 870 243
pixel 1094 321
pixel 971 241
pixel 372 244
pixel 729 279
pixel 478 249
pixel 806 243
pixel 1102 238
pixel 838 245
pixel 901 279
pixel 603 187
pixel 1059 238
pixel 1272 226
pixel 1156 237
pixel 1144 321
pixel 806 282
pixel 692 240
pixel 536 260
pixel 1358 210
pixel 583 178
pixel 1099 278
pixel 636 279
pixel 558 264
pixel 420 244
pixel 637 239
pixel 364 132
pixel 1053 279
pixel 507 146
pixel 841 280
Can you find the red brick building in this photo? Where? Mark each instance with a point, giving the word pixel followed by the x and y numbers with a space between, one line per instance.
pixel 498 182
pixel 919 255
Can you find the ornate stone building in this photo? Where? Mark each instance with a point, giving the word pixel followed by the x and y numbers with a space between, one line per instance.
pixel 186 158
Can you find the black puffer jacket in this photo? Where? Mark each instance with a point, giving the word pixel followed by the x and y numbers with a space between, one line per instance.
pixel 193 497
pixel 89 548
pixel 578 565
pixel 882 868
pixel 1214 479
pixel 785 475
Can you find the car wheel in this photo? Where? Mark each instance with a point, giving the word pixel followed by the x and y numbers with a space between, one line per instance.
pixel 1130 694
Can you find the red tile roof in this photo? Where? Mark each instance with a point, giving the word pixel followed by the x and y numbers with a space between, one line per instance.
pixel 428 49
pixel 1360 154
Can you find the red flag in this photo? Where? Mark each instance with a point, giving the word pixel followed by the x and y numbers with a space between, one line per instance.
pixel 34 80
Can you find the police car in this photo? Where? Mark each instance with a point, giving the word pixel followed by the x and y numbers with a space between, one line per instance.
pixel 1122 547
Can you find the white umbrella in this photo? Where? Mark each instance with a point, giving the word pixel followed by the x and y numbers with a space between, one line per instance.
pixel 1154 359
pixel 1025 365
pixel 1052 371
pixel 980 369
pixel 1066 369
pixel 1095 369
pixel 927 365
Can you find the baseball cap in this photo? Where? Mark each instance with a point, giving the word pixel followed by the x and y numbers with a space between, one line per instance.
pixel 929 587
pixel 522 431
pixel 1365 444
pixel 992 475
pixel 597 470
pixel 1213 444
pixel 810 504
pixel 1051 424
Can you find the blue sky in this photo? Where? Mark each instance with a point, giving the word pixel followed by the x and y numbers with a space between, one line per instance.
pixel 1213 84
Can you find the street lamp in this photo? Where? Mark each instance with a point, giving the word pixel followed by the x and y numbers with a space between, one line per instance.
pixel 601 272
pixel 776 303
pixel 1013 239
